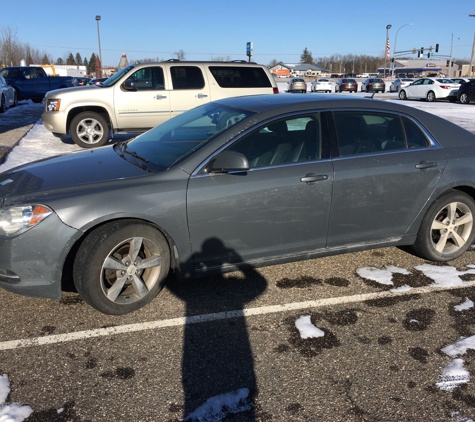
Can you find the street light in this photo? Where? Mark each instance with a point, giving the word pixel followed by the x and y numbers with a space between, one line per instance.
pixel 473 51
pixel 98 18
pixel 388 27
pixel 394 50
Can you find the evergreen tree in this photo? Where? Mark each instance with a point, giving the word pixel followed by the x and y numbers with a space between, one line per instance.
pixel 306 56
pixel 45 60
pixel 91 68
pixel 70 59
pixel 78 59
pixel 59 60
pixel 86 64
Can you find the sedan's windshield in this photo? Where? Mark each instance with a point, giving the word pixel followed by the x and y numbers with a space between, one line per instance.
pixel 116 76
pixel 174 140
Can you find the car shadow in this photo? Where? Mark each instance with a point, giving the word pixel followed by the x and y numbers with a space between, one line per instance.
pixel 217 355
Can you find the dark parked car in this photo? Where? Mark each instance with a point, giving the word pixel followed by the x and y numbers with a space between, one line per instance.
pixel 297 85
pixel 346 84
pixel 233 184
pixel 374 85
pixel 97 81
pixel 466 92
pixel 81 81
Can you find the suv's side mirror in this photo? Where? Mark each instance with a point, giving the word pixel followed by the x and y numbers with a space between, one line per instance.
pixel 228 161
pixel 27 76
pixel 129 85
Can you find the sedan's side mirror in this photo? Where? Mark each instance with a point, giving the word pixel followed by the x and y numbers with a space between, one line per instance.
pixel 228 161
pixel 129 85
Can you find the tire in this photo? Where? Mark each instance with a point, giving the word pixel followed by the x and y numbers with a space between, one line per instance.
pixel 89 130
pixel 382 92
pixel 431 97
pixel 402 95
pixel 464 99
pixel 3 105
pixel 15 99
pixel 447 230
pixel 115 281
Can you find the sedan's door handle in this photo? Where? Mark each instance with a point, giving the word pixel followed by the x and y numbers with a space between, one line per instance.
pixel 312 178
pixel 160 97
pixel 201 96
pixel 426 165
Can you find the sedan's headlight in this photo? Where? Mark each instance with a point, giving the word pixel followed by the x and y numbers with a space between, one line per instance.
pixel 18 219
pixel 53 104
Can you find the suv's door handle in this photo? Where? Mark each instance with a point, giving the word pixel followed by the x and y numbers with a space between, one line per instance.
pixel 201 96
pixel 160 97
pixel 426 165
pixel 313 178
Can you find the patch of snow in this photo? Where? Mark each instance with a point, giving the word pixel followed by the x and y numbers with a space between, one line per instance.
pixel 307 329
pixel 381 276
pixel 445 276
pixel 216 408
pixel 453 376
pixel 464 306
pixel 13 412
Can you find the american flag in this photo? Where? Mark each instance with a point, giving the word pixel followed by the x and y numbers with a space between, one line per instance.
pixel 388 50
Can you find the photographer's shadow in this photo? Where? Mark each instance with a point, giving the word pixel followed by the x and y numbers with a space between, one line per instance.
pixel 217 356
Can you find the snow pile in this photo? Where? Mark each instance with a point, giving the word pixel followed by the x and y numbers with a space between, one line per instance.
pixel 13 412
pixel 307 329
pixel 445 276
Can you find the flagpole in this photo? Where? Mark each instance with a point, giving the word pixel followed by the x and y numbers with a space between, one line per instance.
pixel 387 51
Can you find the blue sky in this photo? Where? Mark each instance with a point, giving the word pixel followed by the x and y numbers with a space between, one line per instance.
pixel 207 29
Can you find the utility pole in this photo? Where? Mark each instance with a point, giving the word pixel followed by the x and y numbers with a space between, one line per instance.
pixel 473 52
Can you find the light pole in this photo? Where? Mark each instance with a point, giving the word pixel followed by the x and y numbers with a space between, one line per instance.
pixel 98 18
pixel 394 49
pixel 473 52
pixel 386 52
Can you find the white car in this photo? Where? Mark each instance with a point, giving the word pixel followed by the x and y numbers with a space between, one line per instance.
pixel 8 95
pixel 431 89
pixel 400 83
pixel 321 85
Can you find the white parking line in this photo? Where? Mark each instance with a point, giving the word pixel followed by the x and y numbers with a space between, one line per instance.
pixel 174 322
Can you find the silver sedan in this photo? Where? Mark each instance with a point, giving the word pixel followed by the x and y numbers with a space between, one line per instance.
pixel 8 95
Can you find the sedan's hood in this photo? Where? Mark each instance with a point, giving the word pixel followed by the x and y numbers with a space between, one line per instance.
pixel 84 167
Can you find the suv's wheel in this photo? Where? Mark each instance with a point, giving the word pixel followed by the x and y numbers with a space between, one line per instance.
pixel 15 99
pixel 89 130
pixel 464 98
pixel 447 229
pixel 431 96
pixel 402 95
pixel 121 266
pixel 3 105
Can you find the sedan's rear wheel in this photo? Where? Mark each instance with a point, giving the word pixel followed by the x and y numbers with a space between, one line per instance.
pixel 431 96
pixel 402 95
pixel 447 229
pixel 89 130
pixel 464 99
pixel 121 266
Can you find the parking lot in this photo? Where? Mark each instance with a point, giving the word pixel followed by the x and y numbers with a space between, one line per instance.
pixel 228 347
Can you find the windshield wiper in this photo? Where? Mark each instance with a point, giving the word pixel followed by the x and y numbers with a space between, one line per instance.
pixel 122 146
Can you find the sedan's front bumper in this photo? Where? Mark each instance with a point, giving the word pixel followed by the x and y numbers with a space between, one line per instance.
pixel 32 264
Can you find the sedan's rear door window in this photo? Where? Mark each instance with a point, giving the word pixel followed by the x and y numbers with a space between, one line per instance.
pixel 364 132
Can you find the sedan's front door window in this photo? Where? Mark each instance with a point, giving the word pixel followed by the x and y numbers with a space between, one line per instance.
pixel 285 141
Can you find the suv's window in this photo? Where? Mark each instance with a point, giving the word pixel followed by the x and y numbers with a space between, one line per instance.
pixel 187 77
pixel 148 78
pixel 369 132
pixel 283 141
pixel 240 77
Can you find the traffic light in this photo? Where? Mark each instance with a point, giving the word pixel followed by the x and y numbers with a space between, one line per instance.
pixel 422 50
pixel 428 55
pixel 448 63
pixel 437 48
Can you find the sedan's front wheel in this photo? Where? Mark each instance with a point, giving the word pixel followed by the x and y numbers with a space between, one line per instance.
pixel 447 229
pixel 121 266
pixel 402 95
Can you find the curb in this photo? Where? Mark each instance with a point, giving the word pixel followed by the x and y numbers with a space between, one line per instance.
pixel 10 139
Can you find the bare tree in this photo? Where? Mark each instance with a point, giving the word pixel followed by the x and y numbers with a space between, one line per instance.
pixel 180 55
pixel 272 63
pixel 9 46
